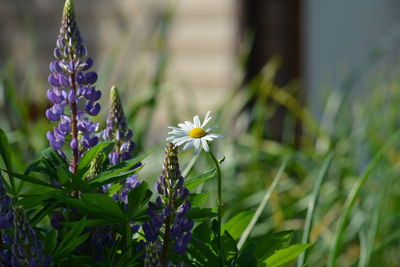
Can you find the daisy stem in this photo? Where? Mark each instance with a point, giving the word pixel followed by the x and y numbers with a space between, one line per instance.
pixel 219 178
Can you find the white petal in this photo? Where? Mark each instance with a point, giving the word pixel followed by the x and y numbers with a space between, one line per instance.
pixel 196 144
pixel 189 124
pixel 215 136
pixel 207 119
pixel 183 140
pixel 207 138
pixel 212 128
pixel 170 138
pixel 177 139
pixel 178 132
pixel 205 145
pixel 184 127
pixel 196 121
pixel 188 145
pixel 174 128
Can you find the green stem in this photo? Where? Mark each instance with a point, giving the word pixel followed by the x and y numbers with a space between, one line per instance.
pixel 128 240
pixel 219 178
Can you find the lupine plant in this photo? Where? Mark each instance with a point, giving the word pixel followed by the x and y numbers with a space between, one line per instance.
pixel 82 201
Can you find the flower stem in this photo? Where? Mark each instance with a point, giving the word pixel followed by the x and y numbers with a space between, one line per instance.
pixel 128 240
pixel 219 179
pixel 167 232
pixel 74 128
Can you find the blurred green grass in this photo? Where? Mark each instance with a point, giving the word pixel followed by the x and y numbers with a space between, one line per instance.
pixel 355 124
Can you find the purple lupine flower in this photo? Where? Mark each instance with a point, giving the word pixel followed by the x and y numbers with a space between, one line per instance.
pixel 6 220
pixel 56 219
pixel 27 249
pixel 102 239
pixel 170 208
pixel 118 131
pixel 153 254
pixel 72 88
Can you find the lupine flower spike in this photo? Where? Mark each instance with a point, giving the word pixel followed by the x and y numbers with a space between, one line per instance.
pixel 72 92
pixel 193 134
pixel 118 131
pixel 27 249
pixel 169 210
pixel 6 222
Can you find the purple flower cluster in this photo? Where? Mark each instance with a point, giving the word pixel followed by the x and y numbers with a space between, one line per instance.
pixel 72 86
pixel 101 239
pixel 6 220
pixel 26 249
pixel 170 208
pixel 153 254
pixel 118 131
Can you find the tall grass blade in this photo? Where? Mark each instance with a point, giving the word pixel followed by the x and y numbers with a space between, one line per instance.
pixel 312 204
pixel 351 199
pixel 261 207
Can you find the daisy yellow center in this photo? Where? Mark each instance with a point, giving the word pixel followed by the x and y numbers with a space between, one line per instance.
pixel 197 133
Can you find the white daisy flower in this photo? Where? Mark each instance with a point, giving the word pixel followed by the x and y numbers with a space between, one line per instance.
pixel 193 134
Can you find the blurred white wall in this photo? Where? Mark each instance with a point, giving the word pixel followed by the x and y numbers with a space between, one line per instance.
pixel 338 37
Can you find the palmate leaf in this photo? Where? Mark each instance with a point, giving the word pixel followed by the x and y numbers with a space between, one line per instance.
pixel 137 198
pixel 71 240
pixel 50 242
pixel 119 169
pixel 31 179
pixel 103 180
pixel 54 158
pixel 92 210
pixel 103 204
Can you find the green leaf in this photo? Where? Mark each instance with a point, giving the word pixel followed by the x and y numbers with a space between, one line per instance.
pixel 54 158
pixel 41 170
pixel 104 204
pixel 50 242
pixel 63 175
pixel 285 255
pixel 47 209
pixel 79 184
pixel 203 233
pixel 268 244
pixel 70 237
pixel 198 199
pixel 90 223
pixel 30 179
pixel 33 200
pixel 99 181
pixel 5 152
pixel 205 251
pixel 135 198
pixel 120 168
pixel 246 256
pixel 238 223
pixel 193 182
pixel 199 213
pixel 228 246
pixel 67 249
pixel 84 162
